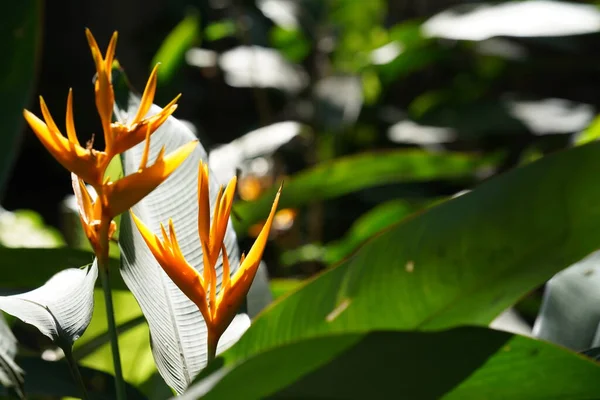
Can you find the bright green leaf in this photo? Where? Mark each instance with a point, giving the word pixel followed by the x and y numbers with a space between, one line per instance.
pixel 171 53
pixel 461 262
pixel 462 363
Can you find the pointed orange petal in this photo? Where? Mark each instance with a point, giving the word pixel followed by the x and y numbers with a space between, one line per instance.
pixel 95 50
pixel 127 191
pixel 70 123
pixel 165 239
pixel 70 155
pixel 250 263
pixel 147 97
pixel 159 118
pixel 150 238
pixel 226 270
pixel 203 204
pixel 110 52
pixel 214 244
pixel 146 152
pixel 222 219
pixel 187 279
pixel 48 117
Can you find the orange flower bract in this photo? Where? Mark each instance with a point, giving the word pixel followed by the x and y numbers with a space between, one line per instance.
pixel 89 165
pixel 220 308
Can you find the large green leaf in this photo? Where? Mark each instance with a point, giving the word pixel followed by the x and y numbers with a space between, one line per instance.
pixel 41 263
pixel 353 173
pixel 367 225
pixel 20 31
pixel 461 262
pixel 462 363
pixel 178 331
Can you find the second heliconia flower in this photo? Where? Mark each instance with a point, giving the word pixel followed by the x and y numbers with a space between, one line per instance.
pixel 88 165
pixel 217 308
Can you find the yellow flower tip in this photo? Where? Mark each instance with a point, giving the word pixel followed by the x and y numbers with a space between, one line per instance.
pixel 252 260
pixel 147 97
pixel 70 122
pixel 110 52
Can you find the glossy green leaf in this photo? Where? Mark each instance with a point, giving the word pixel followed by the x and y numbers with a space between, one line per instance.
pixel 373 221
pixel 20 30
pixel 349 174
pixel 48 379
pixel 461 262
pixel 462 363
pixel 282 286
pixel 42 263
pixel 171 54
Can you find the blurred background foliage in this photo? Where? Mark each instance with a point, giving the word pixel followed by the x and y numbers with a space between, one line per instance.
pixel 368 110
pixel 399 103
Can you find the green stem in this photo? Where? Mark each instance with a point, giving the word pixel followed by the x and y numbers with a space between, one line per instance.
pixel 112 328
pixel 75 371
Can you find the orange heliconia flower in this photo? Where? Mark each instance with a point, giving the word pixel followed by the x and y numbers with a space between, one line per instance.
pixel 220 308
pixel 89 165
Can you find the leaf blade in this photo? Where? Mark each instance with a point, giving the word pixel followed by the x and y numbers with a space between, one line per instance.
pixel 176 325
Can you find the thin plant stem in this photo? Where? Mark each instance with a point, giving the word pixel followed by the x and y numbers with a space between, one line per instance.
pixel 103 266
pixel 75 372
pixel 112 332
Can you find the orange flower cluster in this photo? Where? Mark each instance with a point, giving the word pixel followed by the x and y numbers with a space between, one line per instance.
pixel 89 165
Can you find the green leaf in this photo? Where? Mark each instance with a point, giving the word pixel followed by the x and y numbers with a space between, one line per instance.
pixel 11 375
pixel 42 263
pixel 171 53
pixel 461 262
pixel 367 225
pixel 462 363
pixel 282 286
pixel 349 174
pixel 219 30
pixel 47 379
pixel 291 43
pixel 590 134
pixel 20 30
pixel 93 349
pixel 178 331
